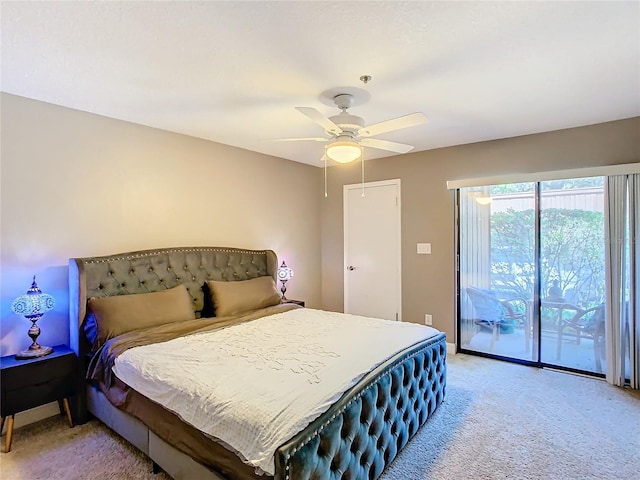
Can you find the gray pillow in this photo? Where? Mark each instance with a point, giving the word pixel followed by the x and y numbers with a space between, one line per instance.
pixel 233 298
pixel 124 313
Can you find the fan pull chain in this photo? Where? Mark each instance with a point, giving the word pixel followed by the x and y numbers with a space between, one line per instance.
pixel 362 161
pixel 325 171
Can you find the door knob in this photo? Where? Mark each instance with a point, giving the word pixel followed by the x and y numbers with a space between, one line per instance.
pixel 351 268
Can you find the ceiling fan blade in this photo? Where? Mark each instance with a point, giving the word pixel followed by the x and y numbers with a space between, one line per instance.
pixel 320 119
pixel 406 121
pixel 386 145
pixel 311 139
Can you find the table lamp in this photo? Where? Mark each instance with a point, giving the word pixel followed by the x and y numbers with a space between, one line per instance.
pixel 284 274
pixel 32 305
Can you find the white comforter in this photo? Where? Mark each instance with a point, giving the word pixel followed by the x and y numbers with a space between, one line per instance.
pixel 255 385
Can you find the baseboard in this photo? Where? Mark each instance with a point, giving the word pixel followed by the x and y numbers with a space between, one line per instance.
pixel 36 414
pixel 451 348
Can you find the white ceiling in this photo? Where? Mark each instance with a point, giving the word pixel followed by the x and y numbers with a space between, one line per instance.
pixel 232 72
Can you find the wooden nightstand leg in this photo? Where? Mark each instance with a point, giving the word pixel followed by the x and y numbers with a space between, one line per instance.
pixel 65 403
pixel 7 442
pixel 2 425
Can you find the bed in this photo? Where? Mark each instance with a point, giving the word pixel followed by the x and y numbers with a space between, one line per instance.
pixel 354 437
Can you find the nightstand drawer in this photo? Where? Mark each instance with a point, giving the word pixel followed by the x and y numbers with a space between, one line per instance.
pixel 36 394
pixel 35 373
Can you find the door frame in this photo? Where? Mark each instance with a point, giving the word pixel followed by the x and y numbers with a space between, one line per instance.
pixel 345 202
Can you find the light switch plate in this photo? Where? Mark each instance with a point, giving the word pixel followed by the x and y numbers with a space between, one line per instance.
pixel 424 248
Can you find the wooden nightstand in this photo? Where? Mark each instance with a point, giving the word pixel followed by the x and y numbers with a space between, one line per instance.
pixel 26 384
pixel 297 302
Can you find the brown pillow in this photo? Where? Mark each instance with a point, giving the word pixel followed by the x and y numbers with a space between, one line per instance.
pixel 233 298
pixel 123 313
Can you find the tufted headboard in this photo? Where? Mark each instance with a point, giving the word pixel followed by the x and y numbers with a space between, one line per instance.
pixel 155 270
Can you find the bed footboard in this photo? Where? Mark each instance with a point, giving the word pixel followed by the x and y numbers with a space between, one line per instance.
pixel 364 431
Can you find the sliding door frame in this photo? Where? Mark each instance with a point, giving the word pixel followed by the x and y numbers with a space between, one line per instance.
pixel 537 285
pixel 536 306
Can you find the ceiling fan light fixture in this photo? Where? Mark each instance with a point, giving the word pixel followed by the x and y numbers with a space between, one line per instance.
pixel 344 151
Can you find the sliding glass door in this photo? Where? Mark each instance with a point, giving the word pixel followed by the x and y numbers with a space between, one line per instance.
pixel 497 269
pixel 531 272
pixel 572 273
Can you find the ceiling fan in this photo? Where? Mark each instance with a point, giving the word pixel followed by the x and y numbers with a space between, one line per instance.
pixel 347 133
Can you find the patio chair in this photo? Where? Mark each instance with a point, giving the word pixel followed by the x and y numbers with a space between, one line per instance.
pixel 497 315
pixel 587 323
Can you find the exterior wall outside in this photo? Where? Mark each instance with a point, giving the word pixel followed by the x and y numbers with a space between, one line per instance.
pixel 590 199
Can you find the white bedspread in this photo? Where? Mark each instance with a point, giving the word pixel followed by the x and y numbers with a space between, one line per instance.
pixel 257 384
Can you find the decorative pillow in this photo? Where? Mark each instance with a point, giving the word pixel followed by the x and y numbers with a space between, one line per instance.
pixel 123 313
pixel 91 330
pixel 233 298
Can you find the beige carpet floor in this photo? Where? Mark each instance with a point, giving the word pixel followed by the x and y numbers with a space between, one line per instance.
pixel 499 421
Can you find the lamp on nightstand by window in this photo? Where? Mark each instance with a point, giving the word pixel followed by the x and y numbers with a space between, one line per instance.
pixel 32 305
pixel 284 274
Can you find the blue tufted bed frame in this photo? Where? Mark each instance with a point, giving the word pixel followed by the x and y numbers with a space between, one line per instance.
pixel 354 439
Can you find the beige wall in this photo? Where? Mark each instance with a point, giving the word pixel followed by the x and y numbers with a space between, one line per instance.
pixel 77 184
pixel 428 207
